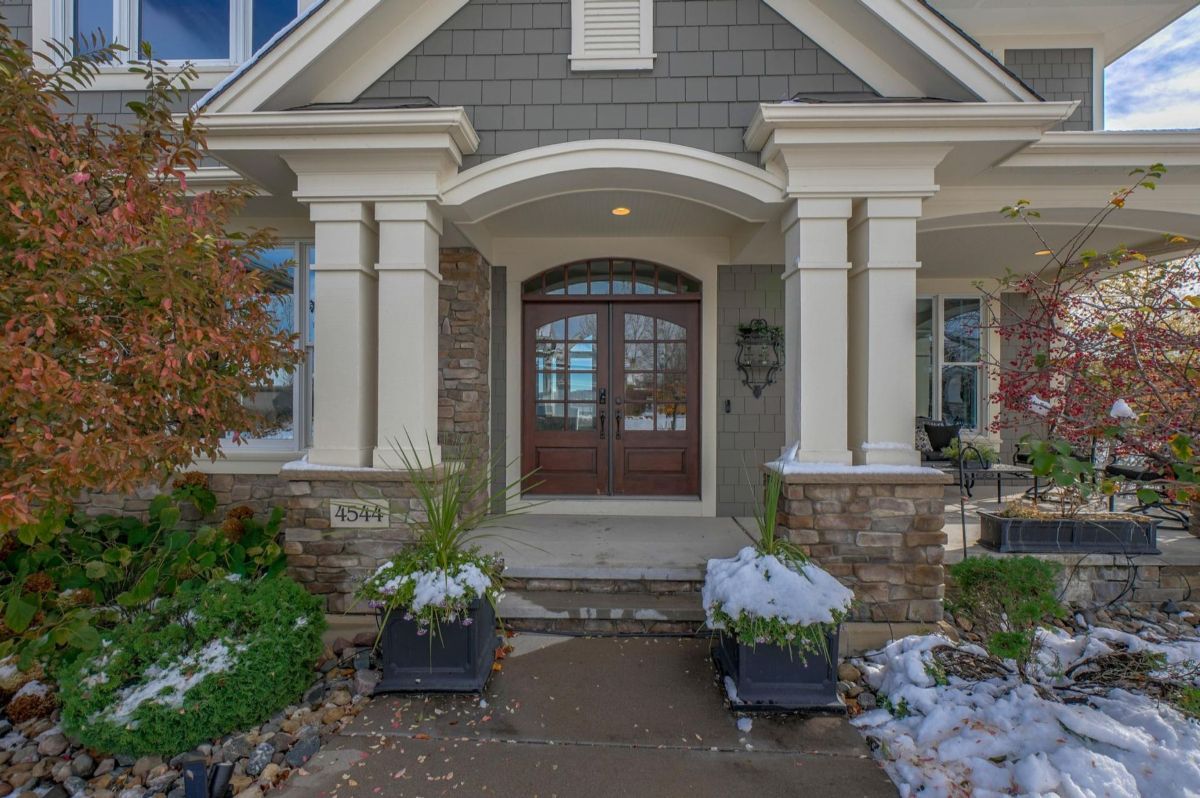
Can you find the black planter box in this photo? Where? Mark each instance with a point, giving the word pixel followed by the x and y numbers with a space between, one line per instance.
pixel 457 659
pixel 1033 535
pixel 770 677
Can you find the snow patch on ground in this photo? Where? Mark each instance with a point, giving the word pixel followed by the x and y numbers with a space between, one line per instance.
pixel 1001 737
pixel 762 586
pixel 169 685
pixel 745 724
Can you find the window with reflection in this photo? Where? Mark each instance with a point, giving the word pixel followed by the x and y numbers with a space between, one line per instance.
pixel 565 374
pixel 950 353
pixel 655 366
pixel 286 401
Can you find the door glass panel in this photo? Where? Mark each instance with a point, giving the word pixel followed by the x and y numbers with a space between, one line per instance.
pixel 582 357
pixel 577 278
pixel 622 277
pixel 672 357
pixel 581 385
pixel 581 417
pixel 638 386
pixel 638 327
pixel 672 388
pixel 554 329
pixel 668 282
pixel 549 416
pixel 639 356
pixel 960 395
pixel 689 286
pixel 582 328
pixel 550 385
pixel 548 356
pixel 672 417
pixel 639 415
pixel 600 278
pixel 961 328
pixel 670 331
pixel 645 279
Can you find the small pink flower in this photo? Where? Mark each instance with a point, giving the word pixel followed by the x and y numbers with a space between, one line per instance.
pixel 81 177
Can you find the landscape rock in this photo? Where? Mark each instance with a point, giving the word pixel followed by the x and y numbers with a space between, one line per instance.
pixel 259 759
pixel 83 765
pixel 303 750
pixel 53 745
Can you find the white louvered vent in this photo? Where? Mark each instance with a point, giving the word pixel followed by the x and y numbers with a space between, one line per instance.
pixel 612 34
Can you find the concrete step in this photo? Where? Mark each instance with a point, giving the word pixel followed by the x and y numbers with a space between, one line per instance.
pixel 555 610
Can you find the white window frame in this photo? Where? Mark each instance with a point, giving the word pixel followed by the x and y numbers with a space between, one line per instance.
pixel 302 377
pixel 54 19
pixel 940 362
pixel 583 61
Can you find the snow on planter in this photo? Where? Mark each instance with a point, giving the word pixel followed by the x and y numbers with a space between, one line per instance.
pixel 763 586
pixel 1002 737
pixel 435 588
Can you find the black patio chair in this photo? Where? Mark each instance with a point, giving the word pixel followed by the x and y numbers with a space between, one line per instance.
pixel 1170 514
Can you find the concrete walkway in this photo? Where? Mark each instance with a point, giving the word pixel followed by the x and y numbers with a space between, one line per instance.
pixel 584 718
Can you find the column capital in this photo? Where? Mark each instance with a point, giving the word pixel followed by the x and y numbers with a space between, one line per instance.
pixel 887 208
pixel 414 210
pixel 341 211
pixel 802 207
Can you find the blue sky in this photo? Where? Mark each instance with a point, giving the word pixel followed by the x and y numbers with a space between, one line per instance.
pixel 1156 86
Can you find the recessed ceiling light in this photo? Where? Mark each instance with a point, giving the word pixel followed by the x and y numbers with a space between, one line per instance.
pixel 620 211
pixel 1044 252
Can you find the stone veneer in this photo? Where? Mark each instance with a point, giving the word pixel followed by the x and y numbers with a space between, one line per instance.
pixel 879 534
pixel 259 491
pixel 464 306
pixel 1101 579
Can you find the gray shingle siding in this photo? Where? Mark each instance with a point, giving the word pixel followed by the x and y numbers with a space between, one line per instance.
pixel 752 432
pixel 1058 74
pixel 506 62
pixel 18 16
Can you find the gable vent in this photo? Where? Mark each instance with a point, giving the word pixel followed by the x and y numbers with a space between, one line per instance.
pixel 611 34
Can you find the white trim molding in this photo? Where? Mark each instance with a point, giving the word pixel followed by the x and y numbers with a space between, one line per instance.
pixel 612 35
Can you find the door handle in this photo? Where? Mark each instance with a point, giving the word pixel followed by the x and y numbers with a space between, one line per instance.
pixel 601 425
pixel 617 425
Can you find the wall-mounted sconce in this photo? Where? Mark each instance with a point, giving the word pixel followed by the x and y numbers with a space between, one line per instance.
pixel 759 354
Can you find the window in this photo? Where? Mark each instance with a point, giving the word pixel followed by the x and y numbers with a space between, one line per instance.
pixel 606 277
pixel 950 349
pixel 286 403
pixel 219 32
pixel 612 34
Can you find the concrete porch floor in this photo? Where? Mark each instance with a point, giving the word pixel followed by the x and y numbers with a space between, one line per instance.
pixel 613 547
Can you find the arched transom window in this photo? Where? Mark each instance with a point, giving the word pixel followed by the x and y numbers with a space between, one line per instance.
pixel 611 277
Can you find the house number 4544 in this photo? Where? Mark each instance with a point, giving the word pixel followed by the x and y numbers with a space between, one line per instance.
pixel 370 513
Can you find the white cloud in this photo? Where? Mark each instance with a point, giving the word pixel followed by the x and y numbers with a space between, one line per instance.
pixel 1156 86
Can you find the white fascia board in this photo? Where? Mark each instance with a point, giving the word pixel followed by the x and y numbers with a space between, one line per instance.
pixel 950 48
pixel 332 55
pixel 843 45
pixel 837 26
pixel 374 128
pixel 1102 148
pixel 840 123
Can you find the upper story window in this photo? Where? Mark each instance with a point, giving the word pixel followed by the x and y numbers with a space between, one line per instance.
pixel 612 34
pixel 207 32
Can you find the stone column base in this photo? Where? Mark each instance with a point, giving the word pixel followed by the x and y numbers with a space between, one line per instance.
pixel 880 534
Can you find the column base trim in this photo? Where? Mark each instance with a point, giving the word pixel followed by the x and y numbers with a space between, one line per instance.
pixel 902 457
pixel 389 458
pixel 358 457
pixel 831 456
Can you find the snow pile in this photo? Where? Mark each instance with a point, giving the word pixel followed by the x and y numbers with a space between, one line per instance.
pixel 1001 737
pixel 169 685
pixel 436 588
pixel 760 585
pixel 788 464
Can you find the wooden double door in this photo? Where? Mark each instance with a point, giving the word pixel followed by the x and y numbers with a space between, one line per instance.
pixel 611 398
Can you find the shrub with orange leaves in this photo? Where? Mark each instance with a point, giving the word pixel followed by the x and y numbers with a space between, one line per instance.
pixel 131 324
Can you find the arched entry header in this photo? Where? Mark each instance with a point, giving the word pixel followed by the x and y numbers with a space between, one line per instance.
pixel 611 277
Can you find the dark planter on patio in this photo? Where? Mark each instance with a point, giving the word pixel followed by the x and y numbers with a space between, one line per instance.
pixel 1032 535
pixel 457 659
pixel 770 677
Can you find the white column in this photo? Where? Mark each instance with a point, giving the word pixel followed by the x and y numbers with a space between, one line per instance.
pixel 344 348
pixel 409 233
pixel 816 333
pixel 883 350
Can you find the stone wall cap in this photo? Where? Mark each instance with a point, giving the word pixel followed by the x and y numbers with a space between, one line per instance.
pixel 866 475
pixel 304 471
